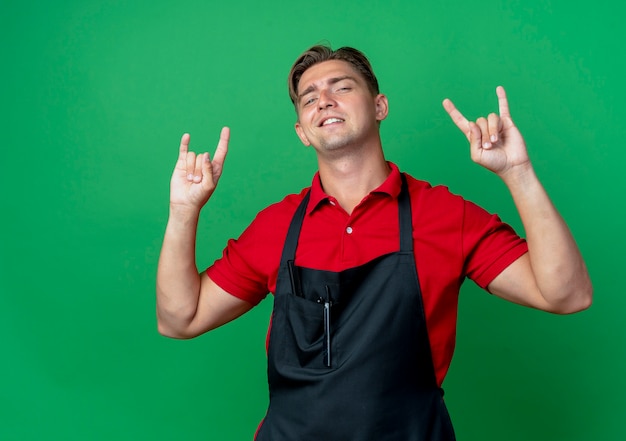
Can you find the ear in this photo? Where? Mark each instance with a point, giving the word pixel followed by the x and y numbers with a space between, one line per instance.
pixel 301 134
pixel 382 107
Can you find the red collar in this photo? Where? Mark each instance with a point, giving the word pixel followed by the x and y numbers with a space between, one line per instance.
pixel 391 187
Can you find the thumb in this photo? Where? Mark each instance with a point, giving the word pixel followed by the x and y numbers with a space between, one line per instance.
pixel 475 136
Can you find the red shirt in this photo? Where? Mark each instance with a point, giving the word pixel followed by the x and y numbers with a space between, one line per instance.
pixel 453 239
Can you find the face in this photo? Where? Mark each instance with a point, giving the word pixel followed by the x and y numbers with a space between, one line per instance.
pixel 336 108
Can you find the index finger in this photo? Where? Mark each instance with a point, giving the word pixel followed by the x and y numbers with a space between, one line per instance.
pixel 222 146
pixel 457 117
pixel 503 102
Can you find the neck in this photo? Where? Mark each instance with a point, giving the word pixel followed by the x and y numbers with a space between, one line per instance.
pixel 352 177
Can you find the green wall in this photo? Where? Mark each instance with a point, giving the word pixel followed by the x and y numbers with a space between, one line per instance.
pixel 95 96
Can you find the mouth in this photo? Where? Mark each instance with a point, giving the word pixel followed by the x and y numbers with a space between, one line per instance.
pixel 331 120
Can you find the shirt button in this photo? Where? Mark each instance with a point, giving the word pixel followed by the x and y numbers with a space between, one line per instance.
pixel 332 202
pixel 349 230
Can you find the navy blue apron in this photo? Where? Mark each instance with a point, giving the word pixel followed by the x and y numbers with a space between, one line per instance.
pixel 349 357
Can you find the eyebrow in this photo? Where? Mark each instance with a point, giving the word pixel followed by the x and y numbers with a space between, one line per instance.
pixel 331 81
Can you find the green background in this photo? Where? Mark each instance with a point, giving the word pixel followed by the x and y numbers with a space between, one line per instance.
pixel 95 97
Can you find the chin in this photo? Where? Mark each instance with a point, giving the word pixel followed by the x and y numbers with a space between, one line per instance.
pixel 336 143
pixel 332 146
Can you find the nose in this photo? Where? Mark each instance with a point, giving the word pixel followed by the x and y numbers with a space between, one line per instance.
pixel 325 99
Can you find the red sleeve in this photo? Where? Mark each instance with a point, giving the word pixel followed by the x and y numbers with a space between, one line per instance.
pixel 249 265
pixel 489 245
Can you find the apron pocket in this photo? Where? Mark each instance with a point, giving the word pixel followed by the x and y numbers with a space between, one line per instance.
pixel 303 334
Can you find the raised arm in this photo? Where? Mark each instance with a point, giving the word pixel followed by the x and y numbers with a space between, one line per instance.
pixel 189 303
pixel 552 276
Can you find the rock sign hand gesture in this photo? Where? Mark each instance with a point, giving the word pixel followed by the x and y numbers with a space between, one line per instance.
pixel 495 141
pixel 195 176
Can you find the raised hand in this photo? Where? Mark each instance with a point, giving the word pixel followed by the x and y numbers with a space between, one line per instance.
pixel 195 176
pixel 495 141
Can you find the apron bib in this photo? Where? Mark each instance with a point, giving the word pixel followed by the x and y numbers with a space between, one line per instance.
pixel 349 357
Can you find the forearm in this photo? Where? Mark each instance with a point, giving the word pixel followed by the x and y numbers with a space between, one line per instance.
pixel 178 282
pixel 557 265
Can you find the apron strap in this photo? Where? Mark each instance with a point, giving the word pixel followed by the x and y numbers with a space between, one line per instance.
pixel 291 242
pixel 404 216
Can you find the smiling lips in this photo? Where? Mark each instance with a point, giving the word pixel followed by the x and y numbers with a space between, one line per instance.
pixel 331 120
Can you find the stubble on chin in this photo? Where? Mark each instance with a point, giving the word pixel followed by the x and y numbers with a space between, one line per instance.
pixel 337 142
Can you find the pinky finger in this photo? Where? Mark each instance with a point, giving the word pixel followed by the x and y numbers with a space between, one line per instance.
pixel 184 146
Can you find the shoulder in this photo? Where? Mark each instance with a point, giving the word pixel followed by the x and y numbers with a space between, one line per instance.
pixel 437 209
pixel 270 225
pixel 280 213
pixel 248 266
pixel 438 198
